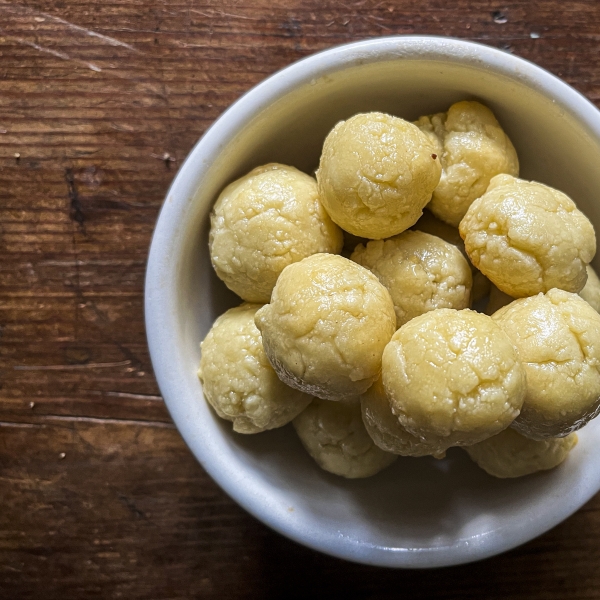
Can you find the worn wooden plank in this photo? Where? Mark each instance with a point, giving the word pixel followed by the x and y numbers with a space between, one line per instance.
pixel 99 104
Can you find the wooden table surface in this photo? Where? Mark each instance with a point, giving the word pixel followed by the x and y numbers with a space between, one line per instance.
pixel 99 104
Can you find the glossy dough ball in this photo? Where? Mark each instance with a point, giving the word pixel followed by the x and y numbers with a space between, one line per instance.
pixel 326 326
pixel 431 224
pixel 376 174
pixel 528 238
pixel 422 272
pixel 334 435
pixel 453 374
pixel 237 379
pixel 558 338
pixel 387 432
pixel 473 148
pixel 591 291
pixel 263 222
pixel 509 454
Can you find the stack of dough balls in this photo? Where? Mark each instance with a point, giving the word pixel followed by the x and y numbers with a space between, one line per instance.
pixel 379 353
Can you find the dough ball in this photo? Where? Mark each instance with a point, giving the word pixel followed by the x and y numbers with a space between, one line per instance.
pixel 557 335
pixel 387 432
pixel 326 326
pixel 509 454
pixel 431 224
pixel 455 375
pixel 376 174
pixel 591 291
pixel 497 300
pixel 528 238
pixel 334 435
pixel 422 272
pixel 263 222
pixel 237 379
pixel 473 148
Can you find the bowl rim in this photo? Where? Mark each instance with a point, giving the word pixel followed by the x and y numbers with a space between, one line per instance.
pixel 160 318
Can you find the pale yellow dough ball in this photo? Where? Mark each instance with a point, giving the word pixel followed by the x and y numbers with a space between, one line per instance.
pixel 376 174
pixel 557 335
pixel 509 454
pixel 528 238
pixel 261 223
pixel 326 326
pixel 591 291
pixel 422 272
pixel 473 148
pixel 334 435
pixel 238 380
pixel 454 375
pixel 387 432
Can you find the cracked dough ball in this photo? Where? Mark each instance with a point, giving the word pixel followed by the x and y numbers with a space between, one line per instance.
pixel 455 375
pixel 422 272
pixel 376 174
pixel 473 148
pixel 387 432
pixel 591 291
pixel 326 326
pixel 334 435
pixel 528 238
pixel 263 222
pixel 237 379
pixel 430 224
pixel 558 338
pixel 509 454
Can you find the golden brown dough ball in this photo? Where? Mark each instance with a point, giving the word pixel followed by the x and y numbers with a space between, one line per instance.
pixel 428 223
pixel 557 335
pixel 238 380
pixel 455 375
pixel 528 238
pixel 387 432
pixel 591 291
pixel 509 454
pixel 263 222
pixel 334 435
pixel 326 326
pixel 376 174
pixel 473 148
pixel 422 272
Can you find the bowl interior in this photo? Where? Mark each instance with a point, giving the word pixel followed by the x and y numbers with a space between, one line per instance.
pixel 419 512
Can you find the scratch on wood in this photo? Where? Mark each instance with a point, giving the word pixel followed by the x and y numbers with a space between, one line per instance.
pixel 41 16
pixel 109 421
pixel 56 53
pixel 106 365
pixel 128 395
pixel 75 212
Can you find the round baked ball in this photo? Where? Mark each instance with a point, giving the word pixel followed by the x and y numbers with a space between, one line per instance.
pixel 428 223
pixel 376 174
pixel 528 238
pixel 387 432
pixel 453 374
pixel 326 326
pixel 422 272
pixel 591 290
pixel 334 435
pixel 263 222
pixel 238 380
pixel 473 148
pixel 557 335
pixel 509 454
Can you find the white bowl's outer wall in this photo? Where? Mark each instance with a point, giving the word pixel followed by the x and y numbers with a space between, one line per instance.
pixel 419 512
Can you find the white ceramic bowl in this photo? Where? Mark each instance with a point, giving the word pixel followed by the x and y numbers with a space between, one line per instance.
pixel 420 512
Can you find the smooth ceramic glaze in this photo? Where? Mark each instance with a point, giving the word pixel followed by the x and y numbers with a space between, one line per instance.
pixel 420 512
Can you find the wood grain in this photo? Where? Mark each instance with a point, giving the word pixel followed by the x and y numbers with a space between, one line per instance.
pixel 99 104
